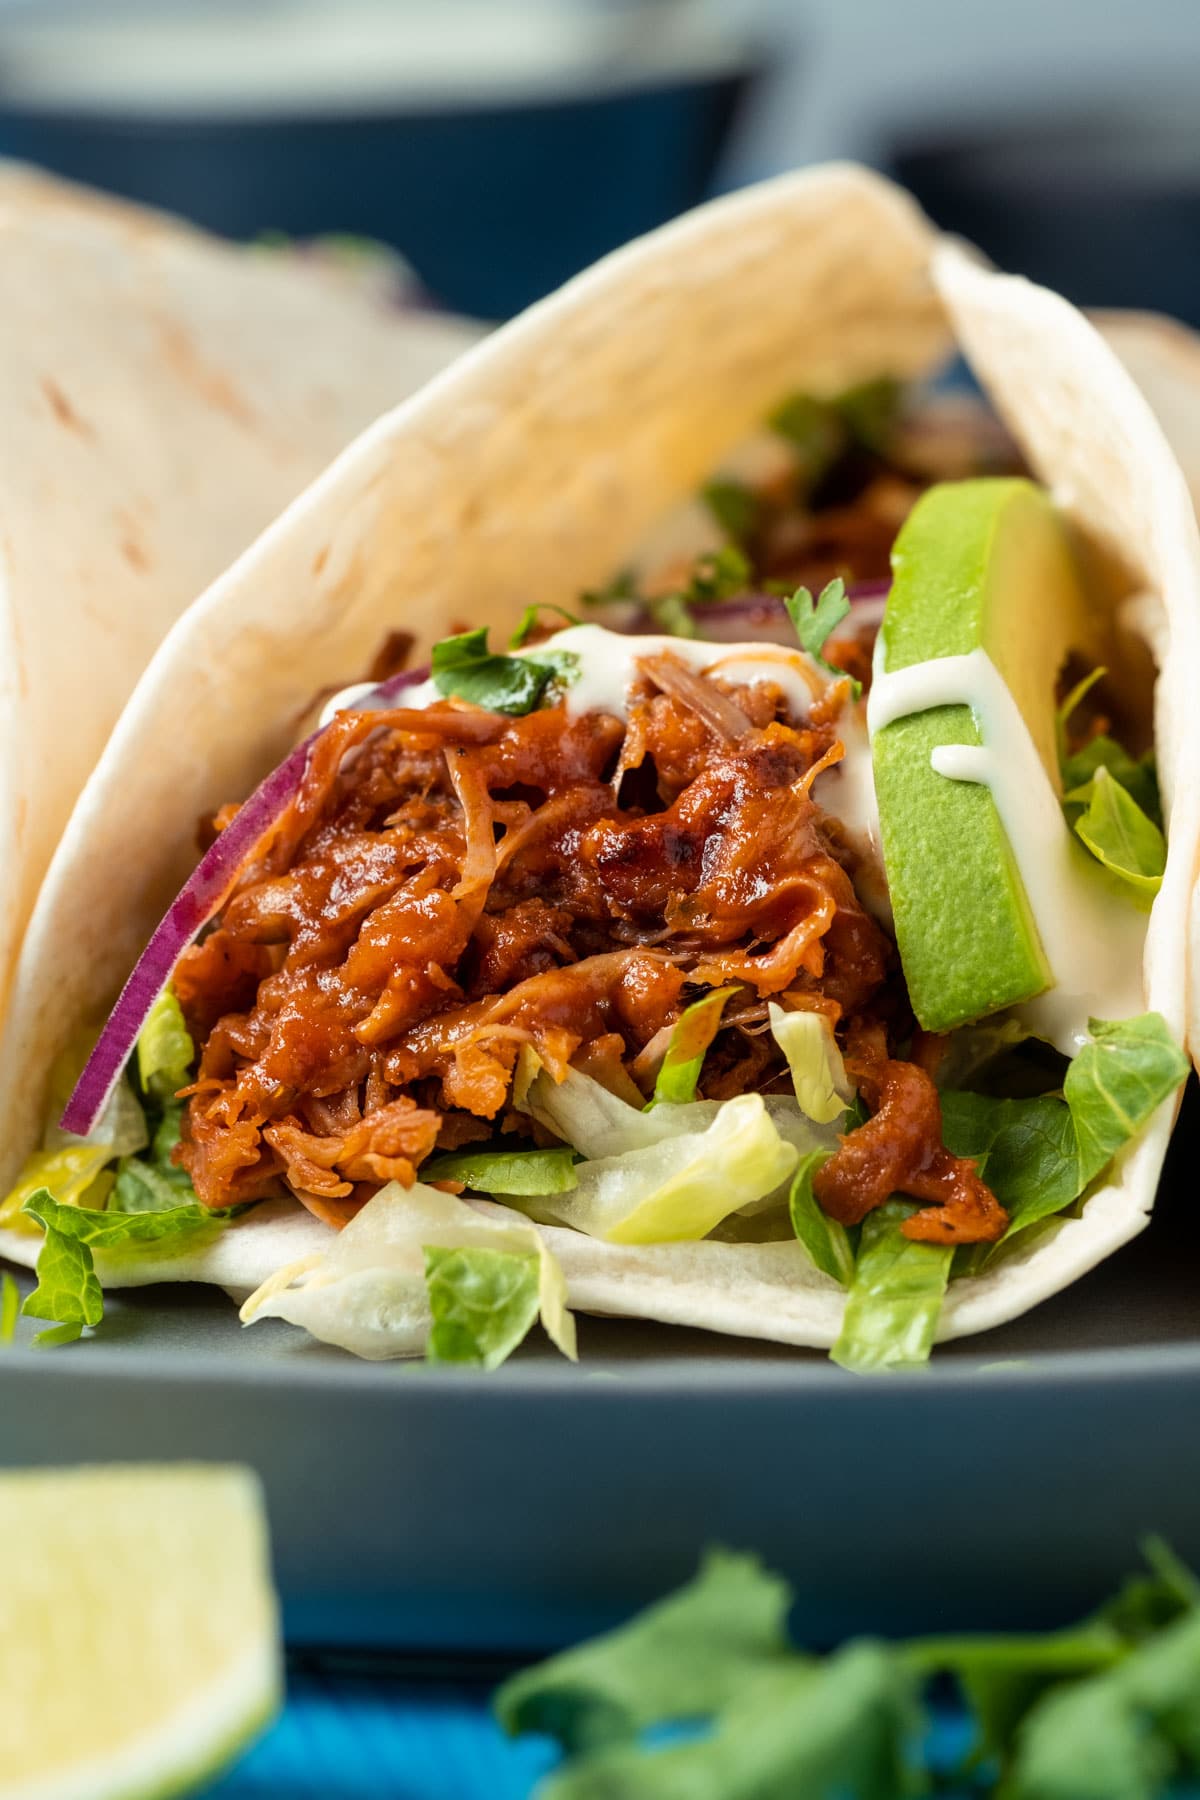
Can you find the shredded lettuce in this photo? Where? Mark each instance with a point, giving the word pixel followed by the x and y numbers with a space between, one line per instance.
pixel 818 1073
pixel 68 1288
pixel 482 1303
pixel 370 1292
pixel 1119 834
pixel 825 1240
pixel 690 1039
pixel 505 1172
pixel 10 1306
pixel 69 1174
pixel 680 1189
pixel 895 1297
pixel 165 1051
pixel 599 1124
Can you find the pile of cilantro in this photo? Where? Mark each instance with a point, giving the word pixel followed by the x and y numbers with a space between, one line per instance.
pixel 704 1697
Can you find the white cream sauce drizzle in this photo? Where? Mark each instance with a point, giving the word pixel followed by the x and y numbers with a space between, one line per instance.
pixel 608 672
pixel 1093 939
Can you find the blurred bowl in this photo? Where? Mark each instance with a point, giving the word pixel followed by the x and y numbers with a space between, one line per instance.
pixel 1103 205
pixel 500 151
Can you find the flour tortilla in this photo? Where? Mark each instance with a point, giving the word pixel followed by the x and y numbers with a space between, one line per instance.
pixel 530 470
pixel 163 396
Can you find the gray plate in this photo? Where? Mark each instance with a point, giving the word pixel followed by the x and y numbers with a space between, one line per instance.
pixel 418 1509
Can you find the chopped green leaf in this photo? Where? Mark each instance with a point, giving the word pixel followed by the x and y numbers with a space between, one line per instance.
pixel 165 1051
pixel 895 1297
pixel 1038 1155
pixel 824 1239
pixel 1119 1735
pixel 1026 1150
pixel 1119 834
pixel 815 620
pixel 483 1303
pixel 736 508
pixel 1004 1675
pixel 56 1334
pixel 117 1230
pixel 682 1186
pixel 531 618
pixel 68 1289
pixel 463 666
pixel 10 1306
pixel 506 1171
pixel 814 1063
pixel 684 1658
pixel 1138 777
pixel 1117 1082
pixel 694 1031
pixel 67 1174
pixel 837 1731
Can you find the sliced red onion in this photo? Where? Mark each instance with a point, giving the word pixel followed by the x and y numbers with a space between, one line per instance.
pixel 202 895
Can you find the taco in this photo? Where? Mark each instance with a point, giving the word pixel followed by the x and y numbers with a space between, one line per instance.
pixel 788 942
pixel 165 395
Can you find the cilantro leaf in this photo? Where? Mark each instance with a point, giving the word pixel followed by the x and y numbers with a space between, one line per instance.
pixel 464 667
pixel 483 1303
pixel 1119 1735
pixel 683 1658
pixel 841 1728
pixel 1118 833
pixel 816 620
pixel 824 1239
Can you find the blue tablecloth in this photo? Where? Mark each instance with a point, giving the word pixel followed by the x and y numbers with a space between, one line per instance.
pixel 352 1738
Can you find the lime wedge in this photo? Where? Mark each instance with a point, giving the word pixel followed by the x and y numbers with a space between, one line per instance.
pixel 139 1637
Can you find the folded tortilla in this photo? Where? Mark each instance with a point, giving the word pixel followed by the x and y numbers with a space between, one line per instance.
pixel 164 396
pixel 529 471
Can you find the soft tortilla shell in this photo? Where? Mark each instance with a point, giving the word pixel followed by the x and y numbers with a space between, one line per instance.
pixel 164 395
pixel 530 470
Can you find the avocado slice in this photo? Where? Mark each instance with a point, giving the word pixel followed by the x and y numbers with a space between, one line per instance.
pixel 984 564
